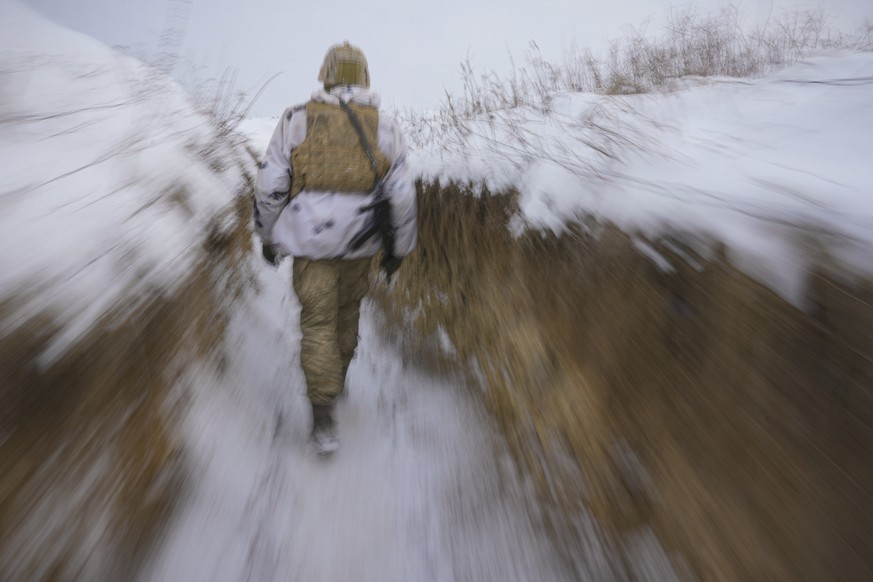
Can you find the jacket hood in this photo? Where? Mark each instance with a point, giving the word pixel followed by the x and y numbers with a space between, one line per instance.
pixel 355 94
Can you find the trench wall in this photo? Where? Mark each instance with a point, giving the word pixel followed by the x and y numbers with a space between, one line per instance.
pixel 695 403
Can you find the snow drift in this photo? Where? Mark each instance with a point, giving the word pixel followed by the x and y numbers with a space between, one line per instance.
pixel 122 219
pixel 110 174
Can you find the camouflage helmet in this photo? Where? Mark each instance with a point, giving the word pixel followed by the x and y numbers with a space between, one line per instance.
pixel 344 65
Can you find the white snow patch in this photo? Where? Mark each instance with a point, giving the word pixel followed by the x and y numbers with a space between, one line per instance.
pixel 446 344
pixel 654 256
pixel 682 254
pixel 259 130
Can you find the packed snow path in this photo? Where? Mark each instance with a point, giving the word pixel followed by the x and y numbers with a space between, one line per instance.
pixel 420 489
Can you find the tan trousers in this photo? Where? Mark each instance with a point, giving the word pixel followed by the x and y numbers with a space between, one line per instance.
pixel 330 293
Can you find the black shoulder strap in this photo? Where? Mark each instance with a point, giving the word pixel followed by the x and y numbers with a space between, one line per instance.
pixel 381 222
pixel 363 138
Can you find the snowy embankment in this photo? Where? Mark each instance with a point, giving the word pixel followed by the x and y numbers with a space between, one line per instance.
pixel 119 201
pixel 761 165
pixel 110 175
pixel 588 263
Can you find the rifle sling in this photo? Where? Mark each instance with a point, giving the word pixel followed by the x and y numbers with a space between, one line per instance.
pixel 362 137
pixel 374 229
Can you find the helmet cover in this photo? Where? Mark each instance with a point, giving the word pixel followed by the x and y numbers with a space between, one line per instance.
pixel 344 65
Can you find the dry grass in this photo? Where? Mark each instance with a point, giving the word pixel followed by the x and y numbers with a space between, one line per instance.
pixel 687 43
pixel 697 403
pixel 89 468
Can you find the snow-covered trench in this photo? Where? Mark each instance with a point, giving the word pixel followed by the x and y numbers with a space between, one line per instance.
pixel 421 488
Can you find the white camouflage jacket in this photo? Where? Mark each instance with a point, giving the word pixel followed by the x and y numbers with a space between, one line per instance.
pixel 320 225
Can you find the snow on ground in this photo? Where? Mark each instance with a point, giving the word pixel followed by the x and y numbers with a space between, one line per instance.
pixel 259 130
pixel 759 164
pixel 105 186
pixel 419 490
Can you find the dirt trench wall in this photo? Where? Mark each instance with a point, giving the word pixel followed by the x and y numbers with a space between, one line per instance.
pixel 696 403
pixel 89 467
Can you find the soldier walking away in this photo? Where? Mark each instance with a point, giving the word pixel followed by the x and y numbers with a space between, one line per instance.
pixel 332 191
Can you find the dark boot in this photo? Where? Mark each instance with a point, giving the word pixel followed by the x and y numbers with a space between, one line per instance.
pixel 324 435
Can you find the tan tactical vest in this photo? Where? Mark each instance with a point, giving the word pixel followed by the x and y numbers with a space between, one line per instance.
pixel 331 157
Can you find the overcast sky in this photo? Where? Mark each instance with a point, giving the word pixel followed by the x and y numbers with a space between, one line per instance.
pixel 414 49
